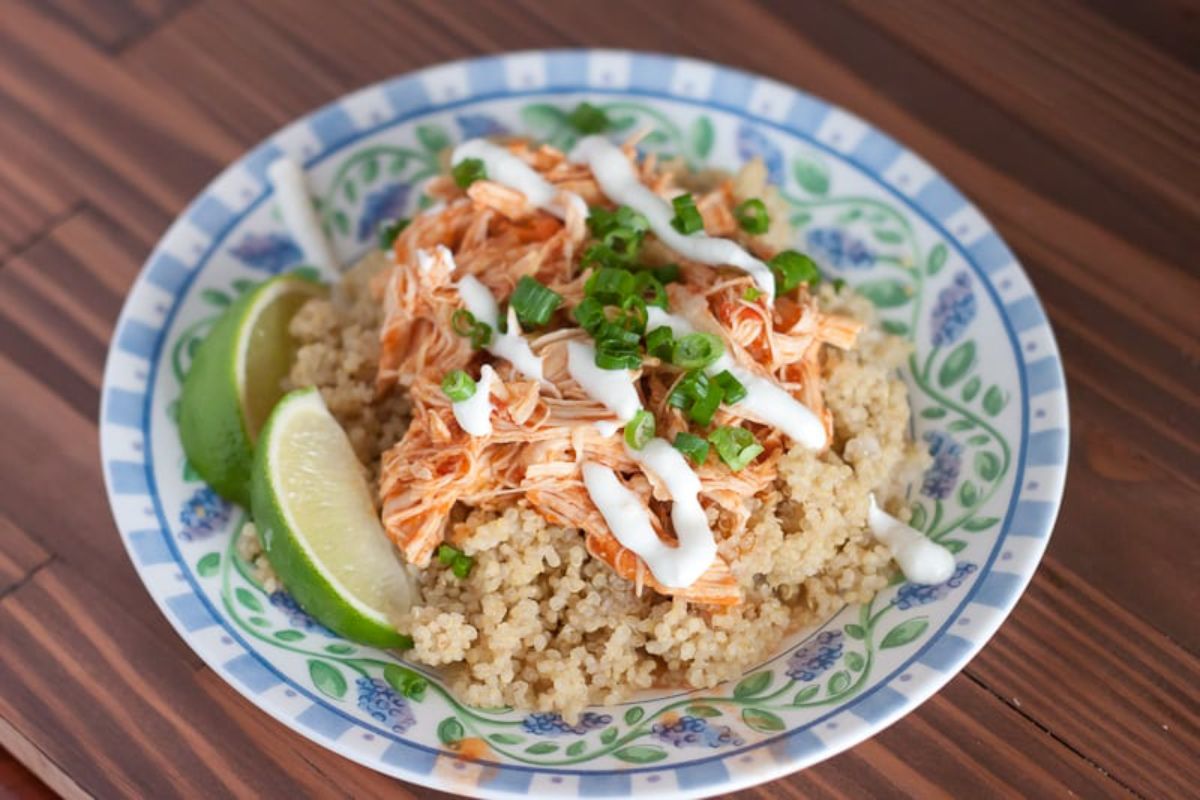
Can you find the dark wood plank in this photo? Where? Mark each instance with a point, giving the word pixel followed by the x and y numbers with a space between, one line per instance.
pixel 20 555
pixel 92 124
pixel 113 24
pixel 16 781
pixel 1170 26
pixel 1100 681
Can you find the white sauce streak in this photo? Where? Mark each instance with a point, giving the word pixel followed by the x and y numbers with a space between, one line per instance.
pixel 630 523
pixel 765 400
pixel 295 203
pixel 510 346
pixel 474 414
pixel 611 387
pixel 617 179
pixel 505 168
pixel 921 560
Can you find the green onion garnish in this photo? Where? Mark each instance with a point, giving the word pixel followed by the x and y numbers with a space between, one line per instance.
pixel 458 386
pixel 587 118
pixel 589 314
pixel 751 294
pixel 687 218
pixel 459 562
pixel 635 314
pixel 650 289
pixel 792 269
pixel 690 388
pixel 618 330
pixel 640 429
pixel 659 341
pixel 463 323
pixel 533 302
pixel 610 285
pixel 737 447
pixel 668 273
pixel 838 284
pixel 703 409
pixel 468 171
pixel 616 354
pixel 697 350
pixel 733 389
pixel 752 216
pixel 389 230
pixel 691 446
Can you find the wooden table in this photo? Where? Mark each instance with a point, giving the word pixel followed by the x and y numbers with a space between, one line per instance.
pixel 1072 125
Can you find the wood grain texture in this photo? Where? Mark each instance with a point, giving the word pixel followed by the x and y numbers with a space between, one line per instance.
pixel 1073 125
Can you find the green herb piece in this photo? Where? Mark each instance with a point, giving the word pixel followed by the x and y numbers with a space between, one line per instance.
pixel 693 386
pixel 463 322
pixel 389 230
pixel 668 273
pixel 468 171
pixel 752 217
pixel 732 388
pixel 459 562
pixel 703 408
pixel 533 302
pixel 697 350
pixel 458 386
pixel 659 342
pixel 691 446
pixel 751 294
pixel 615 354
pixel 792 269
pixel 650 289
pixel 640 429
pixel 609 285
pixel 587 118
pixel 737 447
pixel 687 219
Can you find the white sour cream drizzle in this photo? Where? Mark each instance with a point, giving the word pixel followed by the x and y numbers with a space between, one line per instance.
pixel 920 559
pixel 630 523
pixel 505 168
pixel 510 346
pixel 617 179
pixel 765 400
pixel 295 204
pixel 612 387
pixel 474 414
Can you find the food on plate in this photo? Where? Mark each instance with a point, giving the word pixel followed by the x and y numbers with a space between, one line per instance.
pixel 620 435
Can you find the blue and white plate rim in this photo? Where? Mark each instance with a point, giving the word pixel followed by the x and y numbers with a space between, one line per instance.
pixel 623 73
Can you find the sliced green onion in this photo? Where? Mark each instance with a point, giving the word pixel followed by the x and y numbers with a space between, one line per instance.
pixel 687 218
pixel 733 389
pixel 462 565
pixel 659 341
pixel 838 285
pixel 691 446
pixel 635 314
pixel 751 294
pixel 692 387
pixel 615 354
pixel 617 331
pixel 702 409
pixel 650 289
pixel 697 350
pixel 587 118
pixel 389 230
pixel 468 171
pixel 640 429
pixel 458 386
pixel 481 337
pixel 610 285
pixel 459 562
pixel 602 255
pixel 589 313
pixel 463 322
pixel 752 216
pixel 792 269
pixel 737 447
pixel 533 302
pixel 668 273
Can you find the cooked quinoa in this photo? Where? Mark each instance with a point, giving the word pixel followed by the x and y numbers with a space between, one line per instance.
pixel 539 624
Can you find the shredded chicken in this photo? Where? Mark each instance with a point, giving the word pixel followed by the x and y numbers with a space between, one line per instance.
pixel 544 432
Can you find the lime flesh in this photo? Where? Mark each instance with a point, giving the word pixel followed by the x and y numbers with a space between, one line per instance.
pixel 235 380
pixel 320 530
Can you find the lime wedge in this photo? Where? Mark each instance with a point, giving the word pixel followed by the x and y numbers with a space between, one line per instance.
pixel 235 380
pixel 313 511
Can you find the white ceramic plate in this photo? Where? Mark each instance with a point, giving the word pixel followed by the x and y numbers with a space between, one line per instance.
pixel 986 385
